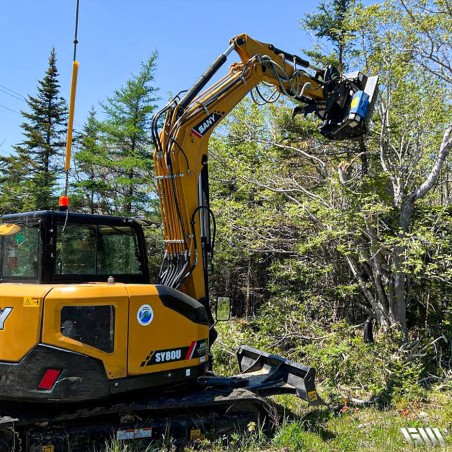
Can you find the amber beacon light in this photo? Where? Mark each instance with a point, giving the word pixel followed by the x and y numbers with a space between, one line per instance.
pixel 63 203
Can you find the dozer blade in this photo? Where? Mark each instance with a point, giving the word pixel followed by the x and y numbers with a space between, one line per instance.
pixel 267 374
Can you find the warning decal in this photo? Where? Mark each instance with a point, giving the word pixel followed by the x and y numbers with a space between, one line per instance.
pixel 31 302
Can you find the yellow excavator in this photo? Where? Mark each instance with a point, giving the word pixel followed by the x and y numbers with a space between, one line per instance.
pixel 89 347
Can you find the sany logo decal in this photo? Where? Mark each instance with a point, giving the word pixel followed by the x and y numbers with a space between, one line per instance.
pixel 4 314
pixel 205 125
pixel 419 436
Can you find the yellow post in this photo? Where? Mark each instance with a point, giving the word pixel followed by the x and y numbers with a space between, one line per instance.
pixel 67 164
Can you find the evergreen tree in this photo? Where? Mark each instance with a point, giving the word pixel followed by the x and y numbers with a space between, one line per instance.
pixel 92 188
pixel 331 23
pixel 16 193
pixel 120 147
pixel 44 132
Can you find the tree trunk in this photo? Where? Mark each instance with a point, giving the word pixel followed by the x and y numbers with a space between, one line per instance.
pixel 397 307
pixel 248 291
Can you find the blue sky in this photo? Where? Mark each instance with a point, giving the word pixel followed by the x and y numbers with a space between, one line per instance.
pixel 115 36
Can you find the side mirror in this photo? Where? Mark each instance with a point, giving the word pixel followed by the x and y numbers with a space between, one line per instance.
pixel 223 309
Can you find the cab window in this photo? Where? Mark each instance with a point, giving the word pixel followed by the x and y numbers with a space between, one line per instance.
pixel 19 253
pixel 96 250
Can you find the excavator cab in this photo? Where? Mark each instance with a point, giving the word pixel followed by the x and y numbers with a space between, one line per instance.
pixel 61 247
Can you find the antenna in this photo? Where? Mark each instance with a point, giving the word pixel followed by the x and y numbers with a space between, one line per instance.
pixel 64 199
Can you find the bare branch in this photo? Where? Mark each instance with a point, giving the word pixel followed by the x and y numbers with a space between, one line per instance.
pixel 432 178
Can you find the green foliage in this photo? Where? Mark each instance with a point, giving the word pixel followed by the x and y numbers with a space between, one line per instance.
pixel 16 188
pixel 155 247
pixel 114 160
pixel 378 370
pixel 290 436
pixel 332 23
pixel 31 174
pixel 387 371
pixel 91 161
pixel 231 335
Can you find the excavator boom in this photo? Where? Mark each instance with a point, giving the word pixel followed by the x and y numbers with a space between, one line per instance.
pixel 343 103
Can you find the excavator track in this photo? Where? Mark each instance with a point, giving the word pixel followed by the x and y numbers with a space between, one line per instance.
pixel 174 418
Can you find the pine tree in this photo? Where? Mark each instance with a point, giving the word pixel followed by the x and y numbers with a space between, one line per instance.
pixel 91 172
pixel 331 24
pixel 121 147
pixel 44 131
pixel 15 187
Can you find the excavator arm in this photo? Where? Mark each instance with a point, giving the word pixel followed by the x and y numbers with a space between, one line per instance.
pixel 342 102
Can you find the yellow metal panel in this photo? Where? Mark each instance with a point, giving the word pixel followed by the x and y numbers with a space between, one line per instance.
pixel 89 295
pixel 168 330
pixel 21 310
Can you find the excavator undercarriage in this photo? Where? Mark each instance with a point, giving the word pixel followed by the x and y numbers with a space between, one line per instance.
pixel 210 408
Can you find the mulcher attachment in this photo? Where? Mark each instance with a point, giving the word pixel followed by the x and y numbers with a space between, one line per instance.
pixel 267 374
